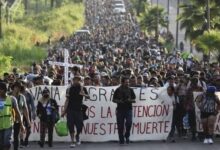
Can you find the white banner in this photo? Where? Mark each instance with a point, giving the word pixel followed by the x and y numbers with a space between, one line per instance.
pixel 152 114
pixel 198 118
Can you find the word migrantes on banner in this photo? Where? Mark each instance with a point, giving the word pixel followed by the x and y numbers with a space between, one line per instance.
pixel 152 114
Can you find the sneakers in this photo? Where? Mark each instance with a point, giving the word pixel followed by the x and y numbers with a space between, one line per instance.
pixel 73 145
pixel 27 145
pixel 121 143
pixel 208 141
pixel 78 142
pixel 127 141
pixel 50 144
pixel 173 141
pixel 185 137
pixel 193 139
pixel 41 144
pixel 22 144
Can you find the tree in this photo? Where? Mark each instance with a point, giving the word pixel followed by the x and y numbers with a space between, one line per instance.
pixel 5 63
pixel 209 41
pixel 193 17
pixel 153 18
pixel 139 6
pixel 26 5
pixel 51 4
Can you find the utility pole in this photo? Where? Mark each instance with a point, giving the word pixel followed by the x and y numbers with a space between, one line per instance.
pixel 177 24
pixel 1 19
pixel 208 21
pixel 157 26
pixel 168 14
pixel 208 15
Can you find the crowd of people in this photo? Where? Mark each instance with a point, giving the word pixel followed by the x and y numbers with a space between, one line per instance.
pixel 115 49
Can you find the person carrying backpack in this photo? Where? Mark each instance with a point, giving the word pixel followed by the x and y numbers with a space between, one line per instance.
pixel 207 103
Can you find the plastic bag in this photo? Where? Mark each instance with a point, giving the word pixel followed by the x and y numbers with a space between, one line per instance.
pixel 186 122
pixel 61 128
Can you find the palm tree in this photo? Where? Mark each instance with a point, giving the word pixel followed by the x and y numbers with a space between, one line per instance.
pixel 193 18
pixel 153 17
pixel 139 6
pixel 209 41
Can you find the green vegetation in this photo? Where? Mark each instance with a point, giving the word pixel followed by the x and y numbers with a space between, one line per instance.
pixel 5 64
pixel 194 19
pixel 25 38
pixel 139 6
pixel 19 42
pixel 153 18
pixel 60 21
pixel 209 41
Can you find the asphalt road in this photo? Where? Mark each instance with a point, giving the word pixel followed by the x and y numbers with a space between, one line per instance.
pixel 151 145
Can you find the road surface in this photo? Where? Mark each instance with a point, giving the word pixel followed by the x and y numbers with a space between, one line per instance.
pixel 150 145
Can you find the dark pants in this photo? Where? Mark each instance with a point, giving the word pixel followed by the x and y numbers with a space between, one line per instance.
pixel 124 119
pixel 46 125
pixel 16 135
pixel 5 138
pixel 174 124
pixel 27 133
pixel 75 118
pixel 181 112
pixel 192 122
pixel 177 122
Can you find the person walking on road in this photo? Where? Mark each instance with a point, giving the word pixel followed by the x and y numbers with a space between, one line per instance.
pixel 124 96
pixel 208 103
pixel 73 108
pixel 46 111
pixel 8 109
pixel 22 105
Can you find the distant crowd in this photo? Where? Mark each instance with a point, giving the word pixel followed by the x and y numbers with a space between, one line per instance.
pixel 116 49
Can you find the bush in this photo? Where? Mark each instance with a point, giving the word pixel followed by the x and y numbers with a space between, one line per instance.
pixel 19 42
pixel 20 38
pixel 5 64
pixel 60 21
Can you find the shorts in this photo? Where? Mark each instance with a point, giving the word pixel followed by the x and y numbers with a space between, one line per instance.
pixel 206 115
pixel 5 137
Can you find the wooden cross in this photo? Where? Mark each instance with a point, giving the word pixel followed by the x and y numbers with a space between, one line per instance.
pixel 66 66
